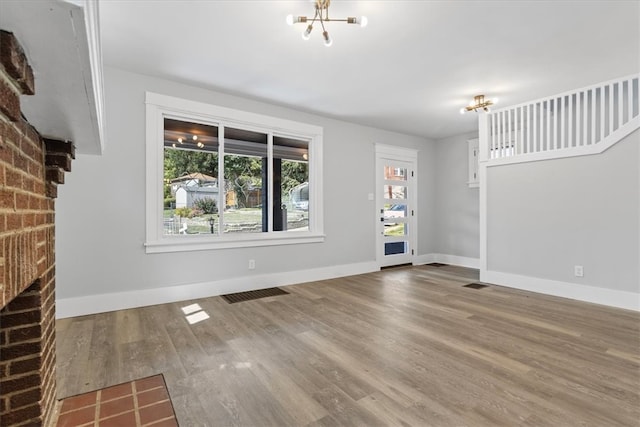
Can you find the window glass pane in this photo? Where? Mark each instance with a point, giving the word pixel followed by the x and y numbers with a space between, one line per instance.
pixel 190 178
pixel 395 248
pixel 394 192
pixel 291 184
pixel 272 190
pixel 395 229
pixel 392 173
pixel 395 211
pixel 245 195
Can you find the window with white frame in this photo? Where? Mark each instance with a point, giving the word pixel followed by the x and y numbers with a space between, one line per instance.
pixel 219 178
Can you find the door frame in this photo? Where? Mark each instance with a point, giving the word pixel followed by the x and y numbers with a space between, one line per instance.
pixel 389 152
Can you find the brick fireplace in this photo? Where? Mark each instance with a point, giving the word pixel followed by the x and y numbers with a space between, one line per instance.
pixel 31 167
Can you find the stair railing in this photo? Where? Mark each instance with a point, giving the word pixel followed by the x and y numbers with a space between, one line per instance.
pixel 579 122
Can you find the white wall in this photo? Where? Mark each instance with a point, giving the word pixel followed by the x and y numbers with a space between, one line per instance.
pixel 456 205
pixel 100 211
pixel 546 217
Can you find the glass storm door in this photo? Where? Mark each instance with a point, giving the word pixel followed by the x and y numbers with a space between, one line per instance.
pixel 395 211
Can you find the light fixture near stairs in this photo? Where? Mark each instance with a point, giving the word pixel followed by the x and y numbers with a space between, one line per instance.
pixel 479 103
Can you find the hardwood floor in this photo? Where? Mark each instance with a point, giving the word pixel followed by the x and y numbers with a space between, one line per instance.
pixel 408 346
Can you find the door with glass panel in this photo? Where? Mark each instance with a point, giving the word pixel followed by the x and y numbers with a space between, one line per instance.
pixel 395 211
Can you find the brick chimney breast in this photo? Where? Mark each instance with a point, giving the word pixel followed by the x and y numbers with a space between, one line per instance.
pixel 30 170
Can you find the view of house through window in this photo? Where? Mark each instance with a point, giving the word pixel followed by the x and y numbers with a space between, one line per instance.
pixel 203 195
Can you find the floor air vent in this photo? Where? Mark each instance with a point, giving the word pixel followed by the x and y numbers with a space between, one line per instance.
pixel 250 295
pixel 475 286
pixel 436 264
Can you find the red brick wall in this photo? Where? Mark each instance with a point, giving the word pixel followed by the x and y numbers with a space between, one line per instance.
pixel 30 169
pixel 27 337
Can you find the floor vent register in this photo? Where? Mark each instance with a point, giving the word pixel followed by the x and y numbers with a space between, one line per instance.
pixel 251 295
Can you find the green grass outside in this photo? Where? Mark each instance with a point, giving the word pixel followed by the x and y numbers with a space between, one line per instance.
pixel 394 230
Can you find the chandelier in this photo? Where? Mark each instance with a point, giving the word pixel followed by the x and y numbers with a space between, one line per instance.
pixel 182 140
pixel 322 16
pixel 479 103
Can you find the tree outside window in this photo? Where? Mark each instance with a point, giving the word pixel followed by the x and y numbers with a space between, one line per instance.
pixel 204 195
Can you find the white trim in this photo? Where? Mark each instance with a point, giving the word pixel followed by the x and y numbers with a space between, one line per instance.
pixel 159 106
pixel 204 242
pixel 567 93
pixel 87 33
pixel 460 261
pixel 592 294
pixel 457 260
pixel 253 120
pixel 404 155
pixel 399 153
pixel 483 147
pixel 423 259
pixel 92 21
pixel 584 150
pixel 92 304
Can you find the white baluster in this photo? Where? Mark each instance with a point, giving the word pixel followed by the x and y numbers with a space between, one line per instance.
pixel 502 128
pixel 520 128
pixel 593 115
pixel 528 128
pixel 631 97
pixel 562 121
pixel 493 136
pixel 509 131
pixel 571 122
pixel 602 112
pixel 498 135
pixel 585 118
pixel 554 118
pixel 611 91
pixel 578 119
pixel 629 100
pixel 535 128
pixel 620 104
pixel 548 124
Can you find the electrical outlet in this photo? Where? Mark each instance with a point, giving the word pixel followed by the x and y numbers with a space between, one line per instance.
pixel 252 264
pixel 578 271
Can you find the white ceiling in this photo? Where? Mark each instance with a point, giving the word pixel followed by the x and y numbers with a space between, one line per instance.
pixel 410 70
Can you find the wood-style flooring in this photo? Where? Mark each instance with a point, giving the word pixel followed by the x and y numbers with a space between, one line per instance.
pixel 405 347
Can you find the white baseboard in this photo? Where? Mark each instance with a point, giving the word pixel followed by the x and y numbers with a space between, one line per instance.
pixel 593 294
pixel 423 259
pixel 448 259
pixel 92 304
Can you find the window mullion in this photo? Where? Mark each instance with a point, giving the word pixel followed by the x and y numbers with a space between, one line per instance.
pixel 222 186
pixel 270 181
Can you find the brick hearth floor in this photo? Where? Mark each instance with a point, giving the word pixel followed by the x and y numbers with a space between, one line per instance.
pixel 143 402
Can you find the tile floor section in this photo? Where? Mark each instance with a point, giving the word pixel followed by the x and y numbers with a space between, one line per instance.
pixel 138 403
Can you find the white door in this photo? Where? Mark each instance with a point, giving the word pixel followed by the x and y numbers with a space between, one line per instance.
pixel 395 206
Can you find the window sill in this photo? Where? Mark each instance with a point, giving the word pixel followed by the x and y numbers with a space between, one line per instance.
pixel 203 243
